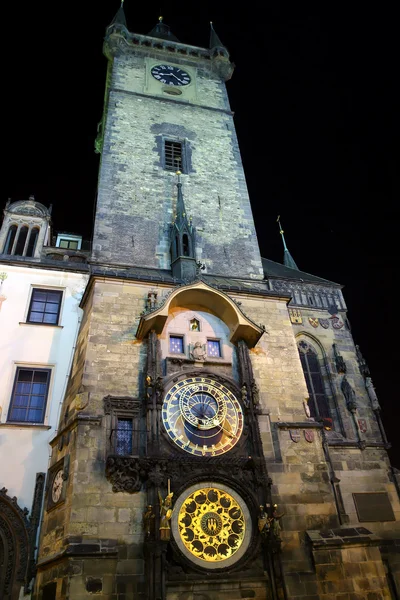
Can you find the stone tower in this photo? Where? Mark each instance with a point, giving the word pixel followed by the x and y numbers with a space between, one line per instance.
pixel 210 435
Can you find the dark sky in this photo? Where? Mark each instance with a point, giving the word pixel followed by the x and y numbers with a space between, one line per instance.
pixel 314 95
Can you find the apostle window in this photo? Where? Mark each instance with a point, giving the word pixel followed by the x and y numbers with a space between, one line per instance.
pixel 29 396
pixel 44 307
pixel 176 344
pixel 214 348
pixel 318 402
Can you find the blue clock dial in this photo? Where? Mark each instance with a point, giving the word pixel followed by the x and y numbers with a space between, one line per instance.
pixel 169 75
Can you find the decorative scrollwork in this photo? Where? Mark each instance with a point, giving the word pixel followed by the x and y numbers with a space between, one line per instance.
pixel 124 474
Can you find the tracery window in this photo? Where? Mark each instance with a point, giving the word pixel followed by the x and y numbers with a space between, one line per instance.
pixel 318 401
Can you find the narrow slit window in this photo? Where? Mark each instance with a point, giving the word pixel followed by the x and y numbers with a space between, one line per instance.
pixel 173 156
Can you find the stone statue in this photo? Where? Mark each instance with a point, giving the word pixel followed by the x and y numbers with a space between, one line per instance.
pixel 362 363
pixel 148 522
pixel 263 522
pixel 372 394
pixel 245 398
pixel 198 351
pixel 349 394
pixel 165 516
pixel 276 526
pixel 159 387
pixel 255 394
pixel 339 360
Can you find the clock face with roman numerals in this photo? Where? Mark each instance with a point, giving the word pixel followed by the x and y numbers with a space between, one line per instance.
pixel 202 417
pixel 170 75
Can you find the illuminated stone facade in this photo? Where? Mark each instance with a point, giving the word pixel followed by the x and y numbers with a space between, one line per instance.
pixel 314 501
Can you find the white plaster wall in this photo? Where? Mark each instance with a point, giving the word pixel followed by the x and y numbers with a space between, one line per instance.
pixel 24 450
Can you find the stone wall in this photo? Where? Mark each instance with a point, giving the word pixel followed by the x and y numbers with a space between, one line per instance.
pixel 137 197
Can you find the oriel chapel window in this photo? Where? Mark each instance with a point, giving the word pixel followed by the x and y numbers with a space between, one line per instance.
pixel 318 402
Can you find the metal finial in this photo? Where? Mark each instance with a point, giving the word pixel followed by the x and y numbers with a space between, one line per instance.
pixel 278 220
pixel 160 19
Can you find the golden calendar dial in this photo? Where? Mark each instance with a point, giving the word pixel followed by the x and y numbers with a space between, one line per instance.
pixel 211 524
pixel 202 417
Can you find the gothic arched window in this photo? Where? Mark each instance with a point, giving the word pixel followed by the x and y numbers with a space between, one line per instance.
pixel 318 402
pixel 8 246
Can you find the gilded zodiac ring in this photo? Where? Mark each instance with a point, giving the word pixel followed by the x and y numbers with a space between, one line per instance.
pixel 211 523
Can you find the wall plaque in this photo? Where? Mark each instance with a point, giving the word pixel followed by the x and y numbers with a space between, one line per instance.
pixel 373 506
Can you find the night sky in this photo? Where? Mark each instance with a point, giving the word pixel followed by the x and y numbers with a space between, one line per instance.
pixel 314 95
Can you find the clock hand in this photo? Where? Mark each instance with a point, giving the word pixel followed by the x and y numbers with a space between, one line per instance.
pixel 173 75
pixel 217 423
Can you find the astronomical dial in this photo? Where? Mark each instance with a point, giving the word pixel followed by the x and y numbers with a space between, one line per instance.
pixel 57 486
pixel 170 75
pixel 202 416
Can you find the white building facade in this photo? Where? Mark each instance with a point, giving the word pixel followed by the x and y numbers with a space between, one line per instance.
pixel 40 290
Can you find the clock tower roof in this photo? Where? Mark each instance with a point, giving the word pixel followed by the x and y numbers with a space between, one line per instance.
pixel 162 31
pixel 215 41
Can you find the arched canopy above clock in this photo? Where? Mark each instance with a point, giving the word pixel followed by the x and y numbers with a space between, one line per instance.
pixel 200 296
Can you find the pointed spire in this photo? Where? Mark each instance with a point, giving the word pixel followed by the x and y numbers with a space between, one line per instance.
pixel 181 218
pixel 162 31
pixel 288 260
pixel 215 42
pixel 119 18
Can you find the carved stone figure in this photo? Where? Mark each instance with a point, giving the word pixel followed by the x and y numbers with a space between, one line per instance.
pixel 245 398
pixel 276 526
pixel 339 361
pixel 362 363
pixel 159 387
pixel 165 516
pixel 263 522
pixel 255 394
pixel 198 351
pixel 372 394
pixel 148 522
pixel 349 395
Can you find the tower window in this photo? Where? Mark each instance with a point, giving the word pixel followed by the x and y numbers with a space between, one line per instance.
pixel 30 251
pixel 173 156
pixel 12 232
pixel 214 348
pixel 23 233
pixel 176 344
